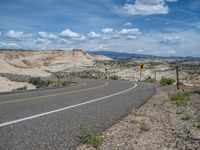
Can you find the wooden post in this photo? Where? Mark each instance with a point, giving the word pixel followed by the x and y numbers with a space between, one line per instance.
pixel 177 77
pixel 73 70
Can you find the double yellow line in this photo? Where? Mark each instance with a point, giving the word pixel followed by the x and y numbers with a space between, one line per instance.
pixel 53 95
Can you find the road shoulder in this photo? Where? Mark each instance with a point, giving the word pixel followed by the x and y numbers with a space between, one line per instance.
pixel 156 125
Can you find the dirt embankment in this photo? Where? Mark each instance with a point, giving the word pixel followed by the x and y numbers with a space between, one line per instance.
pixel 8 85
pixel 157 125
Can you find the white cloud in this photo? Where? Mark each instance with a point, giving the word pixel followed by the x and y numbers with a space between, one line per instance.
pixel 129 31
pixel 45 35
pixel 70 34
pixel 16 35
pixel 9 45
pixel 131 37
pixel 171 40
pixel 74 36
pixel 139 51
pixel 93 35
pixel 147 7
pixel 116 36
pixel 81 38
pixel 172 52
pixel 149 43
pixel 64 41
pixel 42 41
pixel 128 24
pixel 101 47
pixel 107 30
pixel 163 52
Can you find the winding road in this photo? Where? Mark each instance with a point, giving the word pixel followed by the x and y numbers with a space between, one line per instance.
pixel 51 119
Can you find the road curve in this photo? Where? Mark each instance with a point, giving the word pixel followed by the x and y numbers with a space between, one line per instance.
pixel 51 119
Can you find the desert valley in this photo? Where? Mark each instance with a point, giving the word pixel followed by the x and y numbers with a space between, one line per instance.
pixel 16 66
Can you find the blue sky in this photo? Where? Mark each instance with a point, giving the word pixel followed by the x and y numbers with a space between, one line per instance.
pixel 158 27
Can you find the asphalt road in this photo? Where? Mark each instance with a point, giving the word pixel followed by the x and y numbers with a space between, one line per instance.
pixel 51 119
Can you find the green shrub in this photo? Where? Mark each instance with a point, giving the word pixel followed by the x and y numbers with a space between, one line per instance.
pixel 198 126
pixel 186 116
pixel 64 83
pixel 21 89
pixel 39 83
pixel 180 98
pixel 92 138
pixel 144 126
pixel 148 79
pixel 35 80
pixel 114 77
pixel 43 84
pixel 166 81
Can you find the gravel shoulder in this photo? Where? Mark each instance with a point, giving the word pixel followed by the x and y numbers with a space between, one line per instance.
pixel 166 128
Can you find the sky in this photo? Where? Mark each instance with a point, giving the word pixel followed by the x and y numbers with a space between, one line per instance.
pixel 156 27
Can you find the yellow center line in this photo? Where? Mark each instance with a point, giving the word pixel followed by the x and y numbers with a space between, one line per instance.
pixel 53 95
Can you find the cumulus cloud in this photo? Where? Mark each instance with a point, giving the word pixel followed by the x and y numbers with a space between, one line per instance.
pixel 171 40
pixel 147 7
pixel 70 34
pixel 67 33
pixel 64 41
pixel 129 31
pixel 16 35
pixel 45 35
pixel 9 45
pixel 42 41
pixel 81 38
pixel 107 30
pixel 93 35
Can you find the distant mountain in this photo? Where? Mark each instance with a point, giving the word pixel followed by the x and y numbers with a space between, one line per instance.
pixel 120 55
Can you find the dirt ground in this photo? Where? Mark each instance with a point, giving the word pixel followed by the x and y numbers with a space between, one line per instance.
pixel 8 85
pixel 166 128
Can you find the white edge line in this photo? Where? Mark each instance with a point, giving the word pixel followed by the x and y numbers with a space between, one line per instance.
pixel 65 108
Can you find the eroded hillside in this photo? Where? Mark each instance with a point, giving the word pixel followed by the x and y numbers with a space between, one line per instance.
pixel 42 63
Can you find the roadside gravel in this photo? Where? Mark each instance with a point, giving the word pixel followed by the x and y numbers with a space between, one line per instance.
pixel 167 129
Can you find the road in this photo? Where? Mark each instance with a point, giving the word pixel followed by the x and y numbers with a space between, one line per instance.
pixel 51 119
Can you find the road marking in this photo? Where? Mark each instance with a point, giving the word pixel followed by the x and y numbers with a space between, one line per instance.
pixel 65 108
pixel 57 94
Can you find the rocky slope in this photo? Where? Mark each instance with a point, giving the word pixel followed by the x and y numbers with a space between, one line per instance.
pixel 41 63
